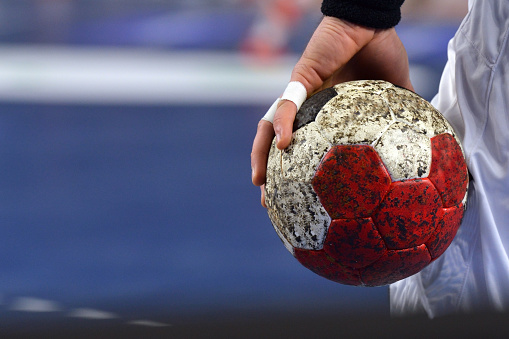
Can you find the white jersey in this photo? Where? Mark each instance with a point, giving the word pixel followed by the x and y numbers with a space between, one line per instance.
pixel 473 274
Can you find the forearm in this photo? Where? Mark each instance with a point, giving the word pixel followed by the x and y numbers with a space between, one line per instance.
pixel 378 14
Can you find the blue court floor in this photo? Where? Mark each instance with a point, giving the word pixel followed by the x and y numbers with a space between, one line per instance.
pixel 144 211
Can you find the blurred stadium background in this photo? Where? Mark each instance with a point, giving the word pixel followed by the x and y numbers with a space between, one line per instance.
pixel 125 196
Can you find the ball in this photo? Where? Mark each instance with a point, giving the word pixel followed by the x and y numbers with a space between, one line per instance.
pixel 373 186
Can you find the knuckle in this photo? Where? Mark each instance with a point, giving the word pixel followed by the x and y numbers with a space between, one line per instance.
pixel 278 120
pixel 261 125
pixel 306 72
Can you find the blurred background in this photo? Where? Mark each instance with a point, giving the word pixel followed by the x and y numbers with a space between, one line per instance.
pixel 125 136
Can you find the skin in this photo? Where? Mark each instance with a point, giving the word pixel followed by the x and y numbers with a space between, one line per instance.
pixel 338 51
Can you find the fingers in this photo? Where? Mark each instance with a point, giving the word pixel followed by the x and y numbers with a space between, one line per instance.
pixel 331 47
pixel 262 189
pixel 391 59
pixel 260 152
pixel 383 58
pixel 283 123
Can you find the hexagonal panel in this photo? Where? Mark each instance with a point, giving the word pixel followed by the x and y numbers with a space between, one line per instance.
pixel 445 231
pixel 354 118
pixel 299 215
pixel 323 265
pixel 409 213
pixel 405 152
pixel 396 265
pixel 351 181
pixel 354 242
pixel 410 107
pixel 448 169
pixel 300 159
pixel 358 86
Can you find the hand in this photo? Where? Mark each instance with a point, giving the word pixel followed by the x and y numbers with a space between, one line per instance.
pixel 338 51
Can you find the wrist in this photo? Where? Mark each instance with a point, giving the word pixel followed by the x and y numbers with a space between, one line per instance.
pixel 370 13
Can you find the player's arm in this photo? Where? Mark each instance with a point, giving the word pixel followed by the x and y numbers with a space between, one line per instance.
pixel 358 42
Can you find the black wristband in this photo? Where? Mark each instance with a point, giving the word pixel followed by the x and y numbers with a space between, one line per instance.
pixel 370 13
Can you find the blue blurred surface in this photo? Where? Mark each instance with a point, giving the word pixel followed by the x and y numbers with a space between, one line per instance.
pixel 218 29
pixel 146 206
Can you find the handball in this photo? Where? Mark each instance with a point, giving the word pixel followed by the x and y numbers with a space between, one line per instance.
pixel 373 186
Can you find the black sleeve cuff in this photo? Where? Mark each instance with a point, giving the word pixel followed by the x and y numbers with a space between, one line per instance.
pixel 370 13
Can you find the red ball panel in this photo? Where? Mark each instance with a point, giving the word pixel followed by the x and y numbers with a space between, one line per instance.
pixel 354 242
pixel 448 170
pixel 409 213
pixel 323 265
pixel 351 181
pixel 396 265
pixel 445 231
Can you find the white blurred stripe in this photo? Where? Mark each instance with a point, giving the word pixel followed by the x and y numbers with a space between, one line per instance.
pixel 88 313
pixel 26 304
pixel 37 305
pixel 148 323
pixel 113 75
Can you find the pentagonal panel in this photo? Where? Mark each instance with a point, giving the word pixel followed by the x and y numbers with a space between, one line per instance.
pixel 354 242
pixel 448 169
pixel 310 108
pixel 412 109
pixel 409 213
pixel 299 216
pixel 351 181
pixel 396 265
pixel 300 159
pixel 445 231
pixel 405 153
pixel 358 118
pixel 323 265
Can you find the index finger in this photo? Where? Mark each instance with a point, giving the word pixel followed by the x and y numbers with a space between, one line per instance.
pixel 283 123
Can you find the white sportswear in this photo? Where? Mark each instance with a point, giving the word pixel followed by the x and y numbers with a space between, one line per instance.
pixel 473 274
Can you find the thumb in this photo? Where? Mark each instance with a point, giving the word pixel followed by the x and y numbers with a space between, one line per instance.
pixel 293 97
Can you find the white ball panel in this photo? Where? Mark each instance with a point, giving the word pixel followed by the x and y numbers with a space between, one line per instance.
pixel 356 118
pixel 368 86
pixel 305 222
pixel 409 107
pixel 273 174
pixel 300 159
pixel 274 217
pixel 405 152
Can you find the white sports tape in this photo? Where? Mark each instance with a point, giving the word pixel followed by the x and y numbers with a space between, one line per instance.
pixel 269 116
pixel 296 93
